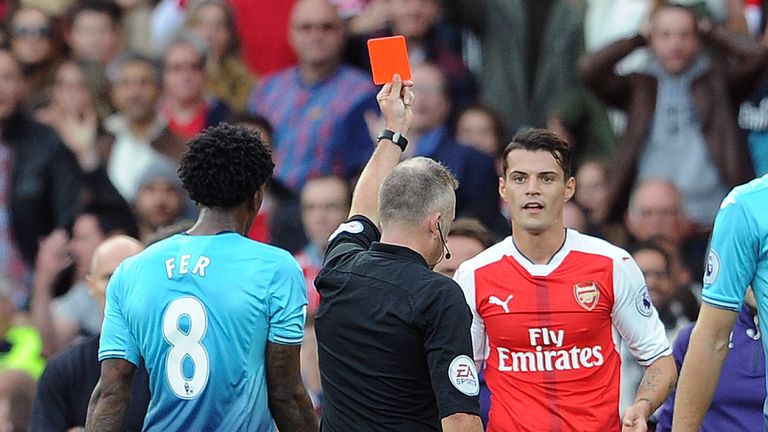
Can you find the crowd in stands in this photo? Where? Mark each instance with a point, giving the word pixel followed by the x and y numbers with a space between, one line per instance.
pixel 99 97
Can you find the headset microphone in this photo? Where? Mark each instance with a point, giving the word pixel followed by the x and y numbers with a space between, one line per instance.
pixel 445 244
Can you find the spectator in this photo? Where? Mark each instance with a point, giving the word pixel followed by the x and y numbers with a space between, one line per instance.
pixel 680 123
pixel 78 107
pixel 20 345
pixel 229 78
pixel 62 319
pixel 69 378
pixel 137 36
pixel 160 198
pixel 655 211
pixel 468 237
pixel 35 44
pixel 316 107
pixel 429 40
pixel 141 135
pixel 477 195
pixel 93 31
pixel 525 71
pixel 184 104
pixel 324 206
pixel 43 180
pixel 480 127
pixel 592 193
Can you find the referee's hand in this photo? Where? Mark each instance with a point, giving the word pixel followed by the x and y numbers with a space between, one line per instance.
pixel 395 99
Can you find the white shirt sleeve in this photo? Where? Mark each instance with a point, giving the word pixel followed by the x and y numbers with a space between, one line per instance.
pixel 466 279
pixel 633 314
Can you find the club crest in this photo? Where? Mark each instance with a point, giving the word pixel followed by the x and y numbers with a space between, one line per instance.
pixel 587 294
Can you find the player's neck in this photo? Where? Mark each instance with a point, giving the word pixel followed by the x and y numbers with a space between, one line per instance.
pixel 539 247
pixel 213 221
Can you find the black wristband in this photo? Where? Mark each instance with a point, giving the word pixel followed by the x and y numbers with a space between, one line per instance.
pixel 395 137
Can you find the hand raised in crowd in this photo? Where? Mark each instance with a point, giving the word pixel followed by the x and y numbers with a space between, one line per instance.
pixel 79 132
pixel 395 99
pixel 52 255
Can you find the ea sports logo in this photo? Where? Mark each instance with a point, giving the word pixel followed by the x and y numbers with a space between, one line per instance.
pixel 463 375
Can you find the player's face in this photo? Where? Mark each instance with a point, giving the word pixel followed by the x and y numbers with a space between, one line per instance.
pixel 535 190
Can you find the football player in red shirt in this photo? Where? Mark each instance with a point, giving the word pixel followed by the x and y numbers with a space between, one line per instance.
pixel 551 307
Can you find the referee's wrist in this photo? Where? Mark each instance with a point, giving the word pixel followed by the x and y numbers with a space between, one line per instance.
pixel 393 136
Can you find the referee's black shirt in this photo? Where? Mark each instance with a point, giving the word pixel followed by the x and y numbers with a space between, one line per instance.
pixel 393 337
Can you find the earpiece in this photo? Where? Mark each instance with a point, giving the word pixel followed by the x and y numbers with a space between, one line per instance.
pixel 442 239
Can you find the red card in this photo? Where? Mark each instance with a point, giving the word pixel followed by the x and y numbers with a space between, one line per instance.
pixel 389 56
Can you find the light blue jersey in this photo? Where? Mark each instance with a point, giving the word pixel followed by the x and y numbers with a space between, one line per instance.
pixel 738 253
pixel 199 310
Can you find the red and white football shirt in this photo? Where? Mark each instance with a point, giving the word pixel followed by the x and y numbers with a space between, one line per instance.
pixel 549 334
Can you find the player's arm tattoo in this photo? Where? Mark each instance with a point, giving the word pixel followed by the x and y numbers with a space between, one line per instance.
pixel 658 382
pixel 288 400
pixel 107 407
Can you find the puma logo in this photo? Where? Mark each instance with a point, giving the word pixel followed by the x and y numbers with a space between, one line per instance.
pixel 497 301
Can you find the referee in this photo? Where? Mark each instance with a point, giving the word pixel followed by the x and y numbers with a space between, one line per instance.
pixel 394 336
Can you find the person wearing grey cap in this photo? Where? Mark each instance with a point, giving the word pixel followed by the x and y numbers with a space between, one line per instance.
pixel 160 199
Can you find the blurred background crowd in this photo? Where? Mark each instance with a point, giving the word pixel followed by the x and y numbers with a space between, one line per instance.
pixel 97 100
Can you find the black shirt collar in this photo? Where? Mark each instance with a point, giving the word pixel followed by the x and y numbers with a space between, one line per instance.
pixel 400 251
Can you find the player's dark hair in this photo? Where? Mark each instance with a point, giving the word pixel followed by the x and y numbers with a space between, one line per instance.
pixel 541 140
pixel 225 165
pixel 109 8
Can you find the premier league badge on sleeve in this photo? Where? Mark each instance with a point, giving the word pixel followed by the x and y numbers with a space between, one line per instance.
pixel 713 268
pixel 643 302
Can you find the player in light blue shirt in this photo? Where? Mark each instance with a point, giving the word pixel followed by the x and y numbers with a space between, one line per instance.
pixel 216 318
pixel 737 259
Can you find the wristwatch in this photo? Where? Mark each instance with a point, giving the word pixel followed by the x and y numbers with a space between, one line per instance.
pixel 393 136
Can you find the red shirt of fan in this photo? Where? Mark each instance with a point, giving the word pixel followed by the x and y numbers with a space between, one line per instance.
pixel 549 334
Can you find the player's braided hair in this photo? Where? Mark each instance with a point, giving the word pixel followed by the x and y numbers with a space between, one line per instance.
pixel 225 165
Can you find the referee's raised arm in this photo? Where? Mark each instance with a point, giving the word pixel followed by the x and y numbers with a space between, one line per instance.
pixel 395 100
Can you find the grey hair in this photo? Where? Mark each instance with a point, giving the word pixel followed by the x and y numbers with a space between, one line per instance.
pixel 191 40
pixel 414 189
pixel 116 68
